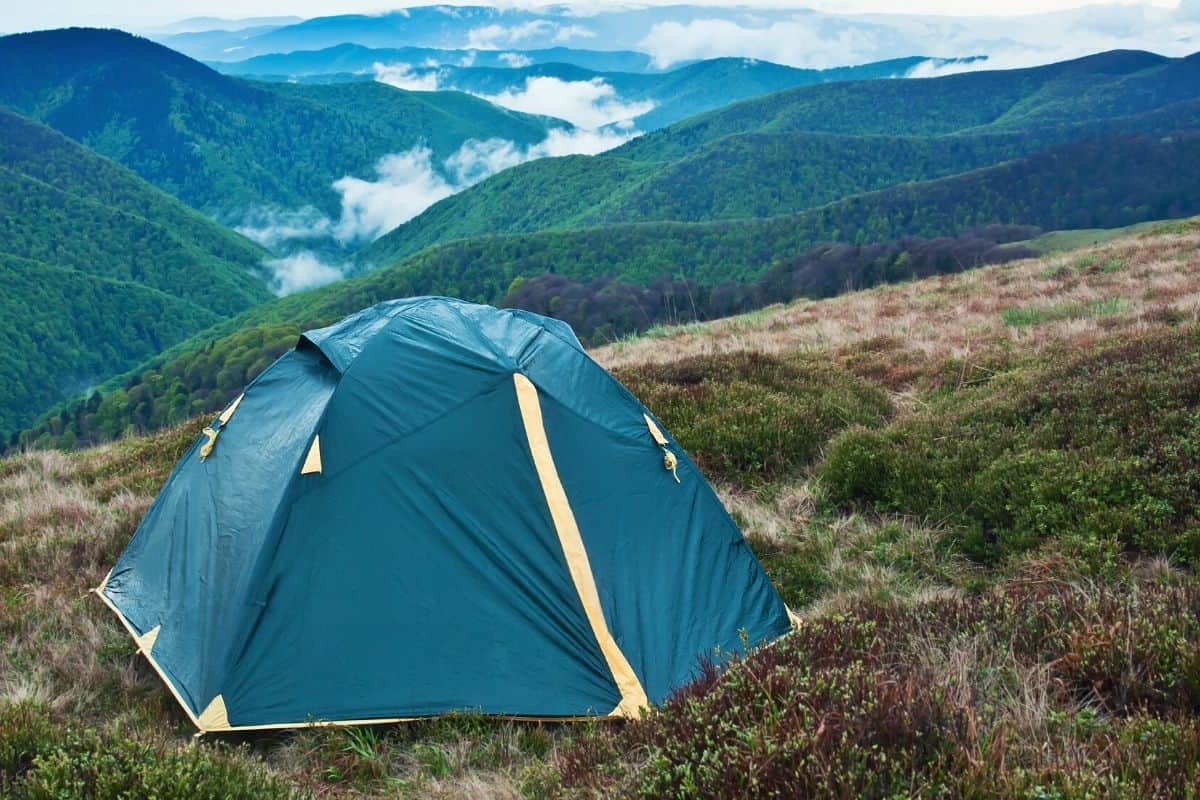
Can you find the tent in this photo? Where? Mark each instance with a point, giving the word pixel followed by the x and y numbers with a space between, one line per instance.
pixel 434 506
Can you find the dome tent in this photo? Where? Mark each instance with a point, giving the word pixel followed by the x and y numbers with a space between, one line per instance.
pixel 434 506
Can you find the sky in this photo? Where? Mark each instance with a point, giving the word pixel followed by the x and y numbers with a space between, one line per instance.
pixel 17 15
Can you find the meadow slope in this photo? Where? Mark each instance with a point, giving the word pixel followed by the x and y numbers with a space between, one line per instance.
pixel 978 490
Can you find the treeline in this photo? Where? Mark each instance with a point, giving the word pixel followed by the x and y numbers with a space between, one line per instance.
pixel 600 310
pixel 605 309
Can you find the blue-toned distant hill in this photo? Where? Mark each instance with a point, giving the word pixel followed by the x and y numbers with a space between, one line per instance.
pixel 801 148
pixel 479 28
pixel 349 59
pixel 99 269
pixel 224 145
pixel 675 95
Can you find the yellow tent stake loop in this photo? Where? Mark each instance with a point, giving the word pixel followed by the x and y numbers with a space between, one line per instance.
pixel 670 462
pixel 207 448
pixel 213 432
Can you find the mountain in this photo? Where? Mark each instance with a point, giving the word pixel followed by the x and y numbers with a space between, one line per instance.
pixel 674 95
pixel 1129 179
pixel 224 145
pixel 100 269
pixel 800 148
pixel 349 59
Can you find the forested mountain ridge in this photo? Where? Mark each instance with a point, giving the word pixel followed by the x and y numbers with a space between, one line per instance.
pixel 100 269
pixel 357 58
pixel 800 148
pixel 1113 84
pixel 221 144
pixel 1129 179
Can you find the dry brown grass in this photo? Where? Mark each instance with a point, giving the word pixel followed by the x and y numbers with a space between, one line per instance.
pixel 958 316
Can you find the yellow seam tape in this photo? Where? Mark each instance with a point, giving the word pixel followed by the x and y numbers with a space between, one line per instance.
pixel 633 696
pixel 312 462
pixel 659 439
pixel 227 413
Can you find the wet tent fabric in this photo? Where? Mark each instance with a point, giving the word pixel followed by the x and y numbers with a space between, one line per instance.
pixel 435 506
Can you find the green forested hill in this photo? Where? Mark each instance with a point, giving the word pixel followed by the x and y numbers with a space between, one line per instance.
pixel 100 269
pixel 225 145
pixel 1113 84
pixel 799 149
pixel 1098 183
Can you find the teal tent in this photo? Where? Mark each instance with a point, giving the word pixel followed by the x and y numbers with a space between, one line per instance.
pixel 434 506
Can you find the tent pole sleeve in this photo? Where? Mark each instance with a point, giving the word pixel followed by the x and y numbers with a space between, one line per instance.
pixel 633 696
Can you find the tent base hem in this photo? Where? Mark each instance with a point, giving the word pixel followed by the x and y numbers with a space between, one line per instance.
pixel 316 723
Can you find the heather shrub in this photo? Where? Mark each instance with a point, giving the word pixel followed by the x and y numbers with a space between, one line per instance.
pixel 42 760
pixel 753 418
pixel 1101 450
pixel 848 706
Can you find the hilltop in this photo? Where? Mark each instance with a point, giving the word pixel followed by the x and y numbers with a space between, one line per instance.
pixel 979 490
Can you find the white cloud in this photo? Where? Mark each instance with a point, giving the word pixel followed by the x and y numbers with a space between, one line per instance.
pixel 476 160
pixel 819 40
pixel 299 271
pixel 802 42
pixel 515 60
pixel 496 37
pixel 588 104
pixel 273 227
pixel 403 76
pixel 563 142
pixel 406 185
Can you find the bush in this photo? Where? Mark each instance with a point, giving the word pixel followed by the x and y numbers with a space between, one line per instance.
pixel 1101 450
pixel 40 760
pixel 752 418
pixel 852 704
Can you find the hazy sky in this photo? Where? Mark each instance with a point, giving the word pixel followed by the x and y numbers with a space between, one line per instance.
pixel 18 15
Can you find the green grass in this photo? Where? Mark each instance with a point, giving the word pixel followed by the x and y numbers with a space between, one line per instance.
pixel 1053 242
pixel 1029 316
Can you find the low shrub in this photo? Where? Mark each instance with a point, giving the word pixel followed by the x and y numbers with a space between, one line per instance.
pixel 42 760
pixel 1101 450
pixel 751 418
pixel 850 705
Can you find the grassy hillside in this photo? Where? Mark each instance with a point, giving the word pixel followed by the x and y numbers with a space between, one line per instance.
pixel 978 491
pixel 101 270
pixel 798 149
pixel 225 145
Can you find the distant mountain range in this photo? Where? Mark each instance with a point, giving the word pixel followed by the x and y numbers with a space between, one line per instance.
pixel 348 59
pixel 672 95
pixel 224 145
pixel 675 34
pixel 805 147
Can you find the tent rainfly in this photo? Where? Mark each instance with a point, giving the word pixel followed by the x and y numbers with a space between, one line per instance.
pixel 434 506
